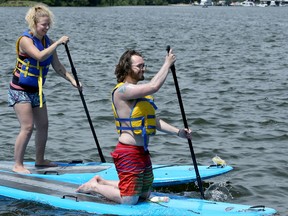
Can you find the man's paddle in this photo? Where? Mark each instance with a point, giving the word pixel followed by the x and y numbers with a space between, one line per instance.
pixel 84 104
pixel 186 126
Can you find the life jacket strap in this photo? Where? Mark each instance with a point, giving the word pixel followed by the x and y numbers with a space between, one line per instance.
pixel 40 81
pixel 27 66
pixel 40 76
pixel 142 127
pixel 151 101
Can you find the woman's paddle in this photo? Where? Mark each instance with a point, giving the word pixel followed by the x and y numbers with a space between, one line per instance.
pixel 186 126
pixel 84 104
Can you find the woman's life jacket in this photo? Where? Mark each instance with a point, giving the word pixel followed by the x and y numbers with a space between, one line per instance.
pixel 32 73
pixel 142 119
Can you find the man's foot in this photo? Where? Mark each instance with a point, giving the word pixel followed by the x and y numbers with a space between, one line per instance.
pixel 20 169
pixel 90 186
pixel 99 179
pixel 45 163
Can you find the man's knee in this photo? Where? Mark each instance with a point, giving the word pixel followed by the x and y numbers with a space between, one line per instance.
pixel 130 200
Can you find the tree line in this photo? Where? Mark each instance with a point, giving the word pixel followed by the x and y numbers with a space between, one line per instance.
pixel 88 3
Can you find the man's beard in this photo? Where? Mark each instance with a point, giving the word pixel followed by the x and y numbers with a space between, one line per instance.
pixel 136 76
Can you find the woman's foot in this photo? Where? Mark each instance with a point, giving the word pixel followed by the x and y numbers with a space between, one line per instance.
pixel 20 169
pixel 45 163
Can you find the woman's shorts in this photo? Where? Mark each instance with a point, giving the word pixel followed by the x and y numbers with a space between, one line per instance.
pixel 15 96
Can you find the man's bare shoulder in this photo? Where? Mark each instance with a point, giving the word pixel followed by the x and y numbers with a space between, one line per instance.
pixel 125 88
pixel 125 93
pixel 122 89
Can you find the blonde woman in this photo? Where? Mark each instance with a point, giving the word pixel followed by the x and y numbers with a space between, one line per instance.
pixel 35 52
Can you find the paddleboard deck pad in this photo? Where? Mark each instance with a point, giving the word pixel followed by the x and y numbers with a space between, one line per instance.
pixel 79 173
pixel 62 195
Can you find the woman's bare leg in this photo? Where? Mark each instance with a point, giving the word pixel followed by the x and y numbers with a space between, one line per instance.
pixel 41 135
pixel 25 117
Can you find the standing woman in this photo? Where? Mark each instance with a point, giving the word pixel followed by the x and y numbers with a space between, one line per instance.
pixel 35 52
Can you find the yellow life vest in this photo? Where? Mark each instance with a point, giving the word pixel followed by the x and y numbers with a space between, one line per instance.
pixel 142 117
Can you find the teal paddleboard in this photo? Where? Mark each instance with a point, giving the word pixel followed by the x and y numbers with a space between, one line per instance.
pixel 79 173
pixel 62 195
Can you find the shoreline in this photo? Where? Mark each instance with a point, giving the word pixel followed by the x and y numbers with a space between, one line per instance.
pixel 18 4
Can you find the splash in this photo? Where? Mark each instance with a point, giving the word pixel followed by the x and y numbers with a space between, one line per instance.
pixel 218 192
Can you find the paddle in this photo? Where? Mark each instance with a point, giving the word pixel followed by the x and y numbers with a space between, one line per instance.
pixel 84 104
pixel 186 126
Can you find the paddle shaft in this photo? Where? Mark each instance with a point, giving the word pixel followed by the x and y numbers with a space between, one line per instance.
pixel 84 104
pixel 186 126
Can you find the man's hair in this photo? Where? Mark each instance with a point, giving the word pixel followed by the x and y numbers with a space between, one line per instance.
pixel 123 68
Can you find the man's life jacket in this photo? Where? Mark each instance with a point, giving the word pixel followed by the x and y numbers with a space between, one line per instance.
pixel 142 119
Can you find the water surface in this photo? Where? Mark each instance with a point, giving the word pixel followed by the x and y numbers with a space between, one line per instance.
pixel 232 71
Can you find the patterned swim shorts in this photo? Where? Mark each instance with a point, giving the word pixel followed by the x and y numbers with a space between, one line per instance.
pixel 15 96
pixel 134 169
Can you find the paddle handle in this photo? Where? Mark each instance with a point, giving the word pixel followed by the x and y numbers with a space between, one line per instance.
pixel 85 105
pixel 173 69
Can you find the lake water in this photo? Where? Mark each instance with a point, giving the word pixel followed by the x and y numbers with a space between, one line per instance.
pixel 232 72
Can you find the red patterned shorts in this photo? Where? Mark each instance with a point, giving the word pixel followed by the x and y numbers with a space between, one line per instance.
pixel 134 169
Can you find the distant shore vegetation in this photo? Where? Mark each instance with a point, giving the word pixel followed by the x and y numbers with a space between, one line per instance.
pixel 86 3
pixel 103 3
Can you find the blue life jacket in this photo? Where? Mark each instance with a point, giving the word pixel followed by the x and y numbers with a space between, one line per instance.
pixel 32 72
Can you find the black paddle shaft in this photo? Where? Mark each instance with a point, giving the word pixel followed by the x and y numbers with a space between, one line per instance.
pixel 84 104
pixel 186 126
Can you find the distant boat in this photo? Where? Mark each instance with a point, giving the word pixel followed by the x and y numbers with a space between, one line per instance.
pixel 272 4
pixel 247 4
pixel 262 5
pixel 205 6
pixel 206 3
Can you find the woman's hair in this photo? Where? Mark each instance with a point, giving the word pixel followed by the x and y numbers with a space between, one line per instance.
pixel 35 13
pixel 123 68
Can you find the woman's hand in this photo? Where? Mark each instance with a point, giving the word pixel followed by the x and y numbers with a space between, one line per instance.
pixel 63 40
pixel 185 133
pixel 73 82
